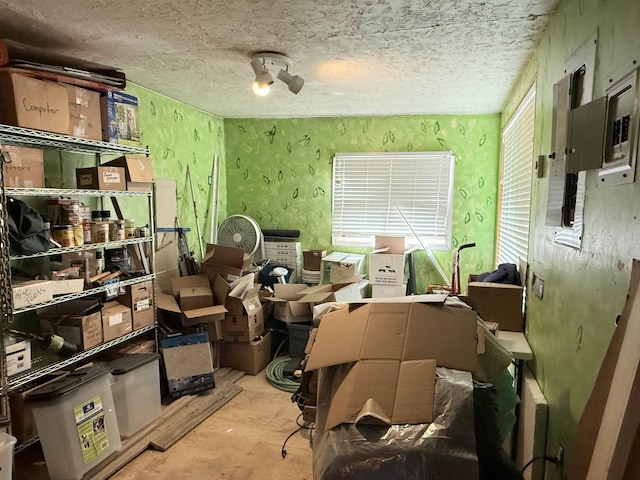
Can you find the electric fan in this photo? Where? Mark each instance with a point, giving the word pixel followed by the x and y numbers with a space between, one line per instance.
pixel 243 232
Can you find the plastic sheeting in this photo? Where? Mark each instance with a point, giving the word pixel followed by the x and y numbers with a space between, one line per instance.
pixel 442 450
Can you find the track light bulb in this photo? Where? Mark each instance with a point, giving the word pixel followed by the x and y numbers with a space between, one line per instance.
pixel 294 82
pixel 261 91
pixel 264 80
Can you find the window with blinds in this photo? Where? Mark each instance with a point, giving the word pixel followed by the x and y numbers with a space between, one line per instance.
pixel 397 194
pixel 515 183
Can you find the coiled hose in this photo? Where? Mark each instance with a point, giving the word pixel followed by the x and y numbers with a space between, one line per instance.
pixel 275 372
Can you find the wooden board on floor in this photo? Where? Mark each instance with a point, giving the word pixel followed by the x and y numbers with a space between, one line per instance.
pixel 168 429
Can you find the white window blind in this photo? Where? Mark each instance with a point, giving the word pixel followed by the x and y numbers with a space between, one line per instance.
pixel 515 183
pixel 371 189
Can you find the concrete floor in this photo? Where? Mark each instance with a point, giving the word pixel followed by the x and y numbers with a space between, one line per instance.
pixel 241 441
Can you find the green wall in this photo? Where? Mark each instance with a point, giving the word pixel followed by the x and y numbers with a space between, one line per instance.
pixel 179 135
pixel 279 172
pixel 569 330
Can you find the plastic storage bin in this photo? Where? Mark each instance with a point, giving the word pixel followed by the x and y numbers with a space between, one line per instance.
pixel 6 455
pixel 298 338
pixel 135 385
pixel 76 421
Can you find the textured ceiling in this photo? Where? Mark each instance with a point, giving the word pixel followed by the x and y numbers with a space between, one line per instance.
pixel 375 57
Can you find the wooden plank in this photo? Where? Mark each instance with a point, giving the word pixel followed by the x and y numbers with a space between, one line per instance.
pixel 208 401
pixel 621 418
pixel 179 425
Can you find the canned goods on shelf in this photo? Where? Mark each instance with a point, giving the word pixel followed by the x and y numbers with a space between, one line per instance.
pixel 129 229
pixel 116 230
pixel 63 211
pixel 63 234
pixel 86 232
pixel 99 232
pixel 78 235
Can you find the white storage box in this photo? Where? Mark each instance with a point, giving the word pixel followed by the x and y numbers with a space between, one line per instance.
pixel 76 422
pixel 135 384
pixel 6 455
pixel 388 291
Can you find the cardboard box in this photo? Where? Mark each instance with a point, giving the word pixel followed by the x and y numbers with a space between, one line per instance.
pixel 312 259
pixel 31 292
pixel 387 261
pixel 101 178
pixel 116 320
pixel 228 262
pixel 192 298
pixel 242 328
pixel 85 331
pixel 287 306
pixel 65 287
pixel 139 298
pixel 18 357
pixel 346 291
pixel 138 171
pixel 398 344
pixel 188 363
pixel 497 302
pixel 251 357
pixel 388 291
pixel 120 118
pixel 196 302
pixel 23 167
pixel 339 265
pixel 32 103
pixel 84 113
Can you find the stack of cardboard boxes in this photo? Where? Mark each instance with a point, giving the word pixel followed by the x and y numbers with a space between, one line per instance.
pixel 387 266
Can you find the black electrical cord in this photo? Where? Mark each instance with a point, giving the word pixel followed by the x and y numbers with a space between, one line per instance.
pixel 301 426
pixel 540 457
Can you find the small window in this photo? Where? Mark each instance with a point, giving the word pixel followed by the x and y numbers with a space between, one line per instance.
pixel 396 194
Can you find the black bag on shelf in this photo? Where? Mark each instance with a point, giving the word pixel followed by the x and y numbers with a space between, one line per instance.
pixel 27 234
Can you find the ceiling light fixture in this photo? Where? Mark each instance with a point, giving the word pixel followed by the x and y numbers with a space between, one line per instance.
pixel 263 63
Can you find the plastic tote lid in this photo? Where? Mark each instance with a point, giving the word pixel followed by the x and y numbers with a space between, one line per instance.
pixel 129 362
pixel 67 384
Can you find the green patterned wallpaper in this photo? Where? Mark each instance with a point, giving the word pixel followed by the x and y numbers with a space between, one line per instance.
pixel 179 135
pixel 569 329
pixel 279 172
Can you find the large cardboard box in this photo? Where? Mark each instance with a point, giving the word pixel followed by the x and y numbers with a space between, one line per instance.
pixel 31 292
pixel 245 318
pixel 32 103
pixel 120 118
pixel 139 298
pixel 101 178
pixel 197 304
pixel 228 262
pixel 84 113
pixel 138 170
pixel 287 306
pixel 387 261
pixel 242 328
pixel 116 320
pixel 85 331
pixel 188 363
pixel 251 357
pixel 497 302
pixel 398 344
pixel 22 167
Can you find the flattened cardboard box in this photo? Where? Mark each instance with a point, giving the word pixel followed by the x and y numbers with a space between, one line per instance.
pixel 394 343
pixel 188 363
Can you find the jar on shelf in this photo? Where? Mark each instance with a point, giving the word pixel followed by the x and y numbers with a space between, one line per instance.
pixel 63 235
pixel 129 228
pixel 84 213
pixel 99 232
pixel 78 235
pixel 86 232
pixel 116 230
pixel 64 211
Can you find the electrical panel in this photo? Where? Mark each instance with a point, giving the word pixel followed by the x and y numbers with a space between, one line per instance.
pixel 621 132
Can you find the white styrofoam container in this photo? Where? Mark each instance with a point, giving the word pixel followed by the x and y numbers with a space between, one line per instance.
pixel 6 455
pixel 76 422
pixel 135 384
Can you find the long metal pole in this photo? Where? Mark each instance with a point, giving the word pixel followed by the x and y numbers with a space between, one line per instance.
pixel 195 213
pixel 215 175
pixel 426 248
